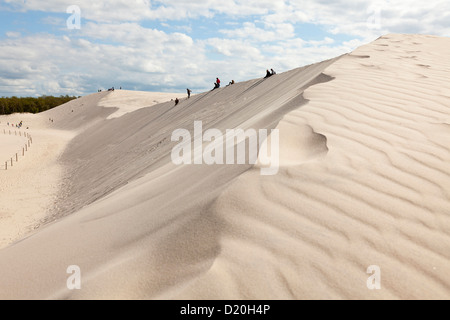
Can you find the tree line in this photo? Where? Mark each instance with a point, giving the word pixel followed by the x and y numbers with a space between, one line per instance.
pixel 31 105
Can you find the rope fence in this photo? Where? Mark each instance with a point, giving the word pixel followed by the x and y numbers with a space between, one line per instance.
pixel 9 163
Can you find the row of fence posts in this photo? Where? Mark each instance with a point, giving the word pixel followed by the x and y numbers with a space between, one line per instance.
pixel 24 149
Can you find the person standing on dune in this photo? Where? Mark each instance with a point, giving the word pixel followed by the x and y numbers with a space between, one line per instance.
pixel 189 91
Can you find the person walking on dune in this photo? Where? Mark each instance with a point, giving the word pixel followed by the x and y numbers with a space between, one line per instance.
pixel 189 91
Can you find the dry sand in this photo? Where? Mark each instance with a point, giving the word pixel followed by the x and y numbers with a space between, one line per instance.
pixel 364 180
pixel 28 188
pixel 126 102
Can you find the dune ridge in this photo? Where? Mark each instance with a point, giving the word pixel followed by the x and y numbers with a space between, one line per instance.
pixel 363 181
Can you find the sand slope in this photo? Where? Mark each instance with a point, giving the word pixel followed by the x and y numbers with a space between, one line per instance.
pixel 364 180
pixel 126 102
pixel 30 187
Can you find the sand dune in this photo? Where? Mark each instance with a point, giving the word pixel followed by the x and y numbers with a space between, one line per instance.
pixel 376 193
pixel 364 180
pixel 30 187
pixel 11 144
pixel 127 102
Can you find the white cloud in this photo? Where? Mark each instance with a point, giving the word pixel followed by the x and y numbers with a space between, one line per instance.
pixel 341 16
pixel 140 58
pixel 270 32
pixel 136 10
pixel 113 48
pixel 349 14
pixel 12 34
pixel 234 48
pixel 53 21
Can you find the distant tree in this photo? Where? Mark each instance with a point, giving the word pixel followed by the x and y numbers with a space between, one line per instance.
pixel 31 105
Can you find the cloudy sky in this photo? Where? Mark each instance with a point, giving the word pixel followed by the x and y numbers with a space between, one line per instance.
pixel 76 47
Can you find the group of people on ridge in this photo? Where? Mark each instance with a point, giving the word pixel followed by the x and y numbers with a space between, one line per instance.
pixel 19 126
pixel 189 91
pixel 217 84
pixel 270 73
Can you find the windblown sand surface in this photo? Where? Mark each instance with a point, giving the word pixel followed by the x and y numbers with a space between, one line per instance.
pixel 126 102
pixel 31 185
pixel 364 180
pixel 11 144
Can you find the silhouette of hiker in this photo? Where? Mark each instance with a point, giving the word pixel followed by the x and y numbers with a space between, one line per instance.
pixel 268 74
pixel 273 72
pixel 189 91
pixel 177 101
